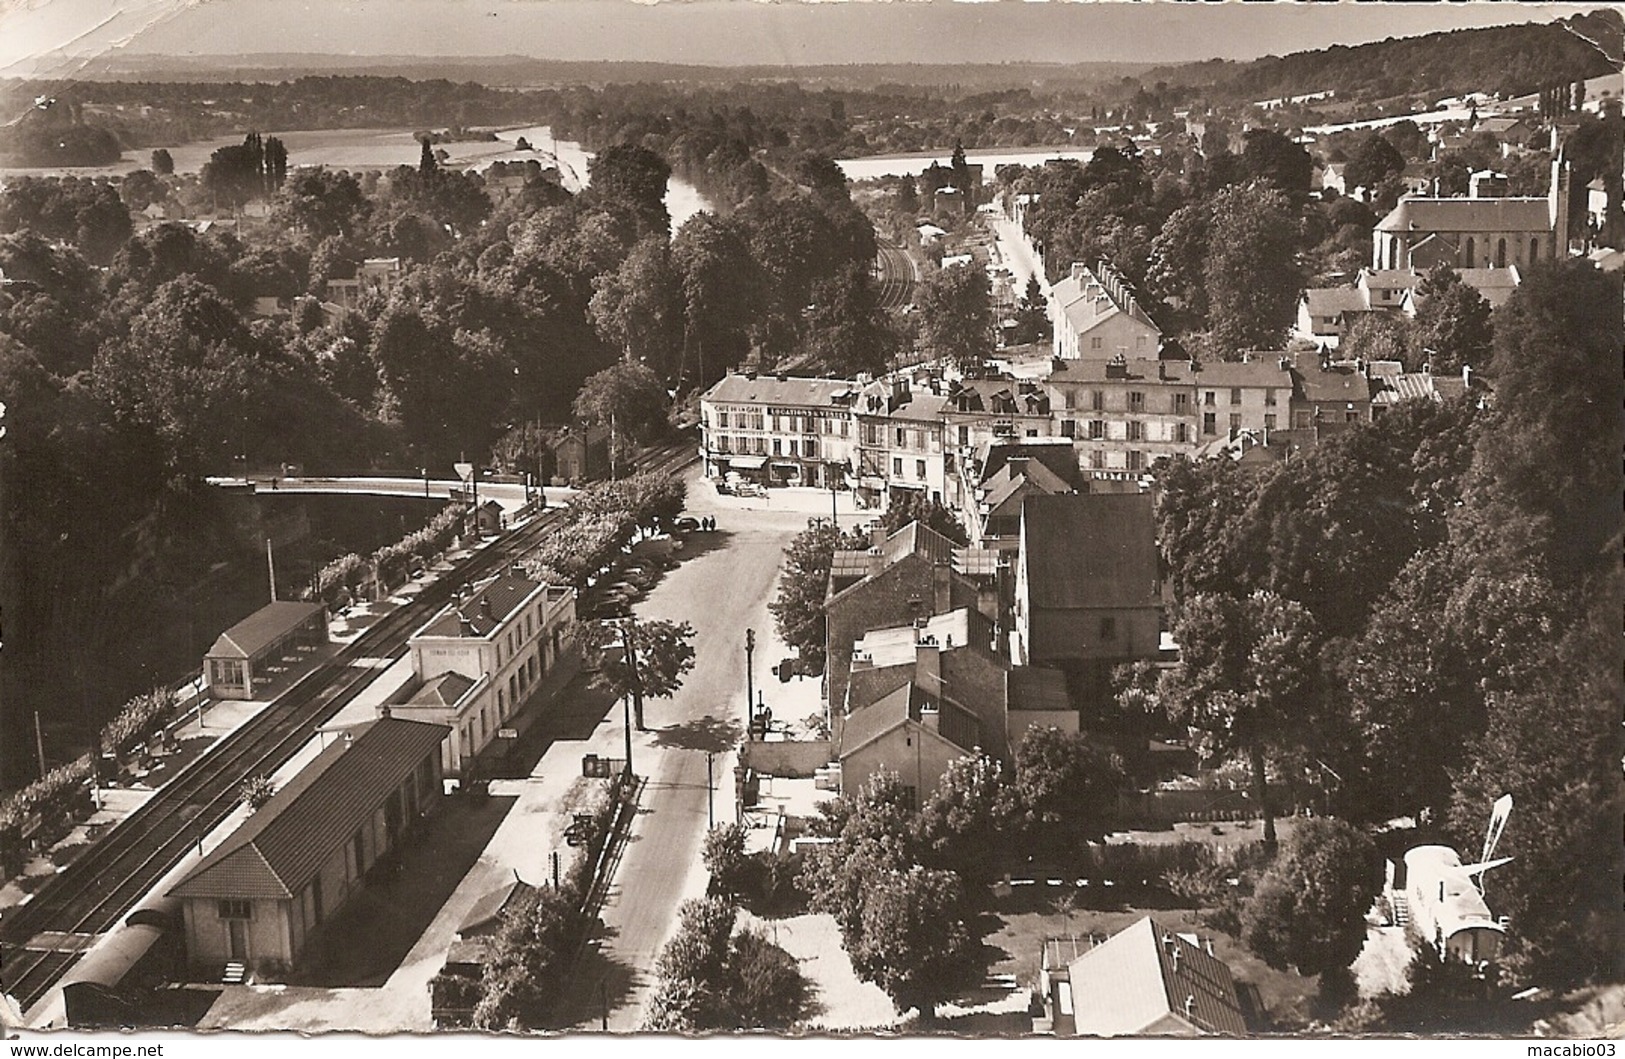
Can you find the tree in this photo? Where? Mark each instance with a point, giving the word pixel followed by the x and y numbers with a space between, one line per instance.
pixel 1202 516
pixel 1372 163
pixel 1545 480
pixel 961 823
pixel 322 204
pixel 1308 910
pixel 725 859
pixel 1246 678
pixel 1064 792
pixel 956 313
pixel 767 989
pixel 1250 272
pixel 638 308
pixel 798 609
pixel 1452 326
pixel 163 163
pixel 633 178
pixel 530 950
pixel 1552 744
pixel 847 330
pixel 1276 160
pixel 721 283
pixel 913 941
pixel 1032 315
pixel 1378 336
pixel 627 397
pixel 912 505
pixel 639 659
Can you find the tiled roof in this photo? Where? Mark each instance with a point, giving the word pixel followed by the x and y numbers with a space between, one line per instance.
pixel 770 389
pixel 1054 453
pixel 1531 215
pixel 1032 477
pixel 262 628
pixel 1332 384
pixel 1389 278
pixel 922 407
pixel 1090 550
pixel 898 645
pixel 1334 301
pixel 1132 981
pixel 505 594
pixel 865 725
pixel 486 914
pixel 1250 373
pixel 1000 397
pixel 913 539
pixel 1085 301
pixel 280 848
pixel 447 689
pixel 1139 369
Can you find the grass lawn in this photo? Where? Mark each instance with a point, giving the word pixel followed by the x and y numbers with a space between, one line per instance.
pixel 1032 913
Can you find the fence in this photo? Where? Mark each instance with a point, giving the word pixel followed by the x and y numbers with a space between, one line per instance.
pixel 1164 807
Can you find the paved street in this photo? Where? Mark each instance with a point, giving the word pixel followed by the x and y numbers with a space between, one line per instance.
pixel 1017 253
pixel 722 588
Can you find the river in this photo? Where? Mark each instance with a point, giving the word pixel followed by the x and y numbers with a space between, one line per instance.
pixel 363 149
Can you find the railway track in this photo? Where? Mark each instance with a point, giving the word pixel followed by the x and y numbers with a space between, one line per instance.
pixel 93 893
pixel 896 275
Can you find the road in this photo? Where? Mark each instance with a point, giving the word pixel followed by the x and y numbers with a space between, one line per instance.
pixel 721 590
pixel 1017 253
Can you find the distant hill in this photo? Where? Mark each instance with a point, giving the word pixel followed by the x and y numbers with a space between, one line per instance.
pixel 1501 60
pixel 518 71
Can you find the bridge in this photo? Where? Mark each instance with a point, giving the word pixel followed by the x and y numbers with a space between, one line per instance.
pixel 510 495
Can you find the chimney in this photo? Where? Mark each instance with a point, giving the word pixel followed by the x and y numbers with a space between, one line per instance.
pixel 383 711
pixel 1190 1004
pixel 1162 371
pixel 1176 958
pixel 941 588
pixel 349 740
pixel 465 627
pixel 877 535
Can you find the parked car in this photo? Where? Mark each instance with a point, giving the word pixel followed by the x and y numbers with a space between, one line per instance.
pixel 686 524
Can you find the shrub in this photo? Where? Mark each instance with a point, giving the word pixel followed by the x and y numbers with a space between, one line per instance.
pixel 725 858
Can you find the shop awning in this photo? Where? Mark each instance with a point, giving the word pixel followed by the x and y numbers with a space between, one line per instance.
pixel 747 463
pixel 870 482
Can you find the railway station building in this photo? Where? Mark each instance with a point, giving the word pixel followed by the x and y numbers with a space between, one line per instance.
pixel 253 651
pixel 482 657
pixel 261 898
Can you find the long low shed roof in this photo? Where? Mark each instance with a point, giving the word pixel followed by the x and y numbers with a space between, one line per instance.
pixel 263 628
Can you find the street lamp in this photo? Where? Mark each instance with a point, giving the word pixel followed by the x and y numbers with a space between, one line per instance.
pixel 634 700
pixel 750 694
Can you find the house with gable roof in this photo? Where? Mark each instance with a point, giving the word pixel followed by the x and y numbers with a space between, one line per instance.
pixel 1143 981
pixel 1095 316
pixel 261 898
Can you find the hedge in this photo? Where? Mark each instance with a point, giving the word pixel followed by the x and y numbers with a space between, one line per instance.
pixel 347 572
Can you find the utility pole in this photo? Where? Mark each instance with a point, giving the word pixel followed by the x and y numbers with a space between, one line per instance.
pixel 750 692
pixel 39 744
pixel 270 568
pixel 710 790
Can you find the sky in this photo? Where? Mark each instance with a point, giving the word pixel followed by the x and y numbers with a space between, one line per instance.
pixel 732 32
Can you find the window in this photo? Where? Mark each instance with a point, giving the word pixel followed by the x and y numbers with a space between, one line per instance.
pixel 1136 401
pixel 1097 400
pixel 1468 254
pixel 1269 398
pixel 919 469
pixel 1097 429
pixel 1071 398
pixel 964 434
pixel 1501 253
pixel 1108 628
pixel 1136 460
pixel 1069 428
pixel 722 418
pixel 1269 420
pixel 1136 430
pixel 755 421
pixel 809 447
pixel 1139 341
pixel 235 908
pixel 1235 395
pixel 776 424
pixel 1235 424
pixel 1208 424
pixel 1351 416
pixel 897 467
pixel 722 443
pixel 760 445
pixel 1181 432
pixel 502 702
pixel 1302 418
pixel 1182 403
pixel 1534 251
pixel 902 438
pixel 1207 398
pixel 1097 459
pixel 1096 343
pixel 843 428
pixel 778 445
